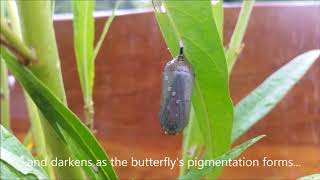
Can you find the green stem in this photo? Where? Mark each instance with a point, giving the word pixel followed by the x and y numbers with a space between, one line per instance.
pixel 10 38
pixel 235 46
pixel 4 89
pixel 38 32
pixel 5 97
pixel 36 129
pixel 89 111
pixel 88 107
pixel 83 24
pixel 14 19
pixel 38 133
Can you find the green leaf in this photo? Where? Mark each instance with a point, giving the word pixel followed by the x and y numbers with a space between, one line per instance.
pixel 267 95
pixel 192 140
pixel 232 154
pixel 168 33
pixel 218 15
pixel 80 140
pixel 28 139
pixel 53 3
pixel 192 135
pixel 16 160
pixel 5 96
pixel 83 28
pixel 194 24
pixel 4 86
pixel 310 177
pixel 235 46
pixel 105 30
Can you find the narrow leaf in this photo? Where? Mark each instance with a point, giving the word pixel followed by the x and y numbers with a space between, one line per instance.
pixel 217 8
pixel 53 3
pixel 310 177
pixel 235 46
pixel 105 30
pixel 80 140
pixel 232 154
pixel 16 161
pixel 267 95
pixel 83 28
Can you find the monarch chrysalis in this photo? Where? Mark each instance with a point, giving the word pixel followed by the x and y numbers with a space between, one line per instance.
pixel 177 87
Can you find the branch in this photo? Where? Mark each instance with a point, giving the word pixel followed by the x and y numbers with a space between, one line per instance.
pixel 11 41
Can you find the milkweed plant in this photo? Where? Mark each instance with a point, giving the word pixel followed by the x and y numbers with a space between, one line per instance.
pixel 198 77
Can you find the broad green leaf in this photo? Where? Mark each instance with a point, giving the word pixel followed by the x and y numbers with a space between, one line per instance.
pixel 267 95
pixel 193 23
pixel 168 32
pixel 16 162
pixel 310 177
pixel 83 29
pixel 232 154
pixel 80 140
pixel 192 136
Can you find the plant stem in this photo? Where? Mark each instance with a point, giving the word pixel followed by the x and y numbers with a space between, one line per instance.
pixel 5 97
pixel 235 46
pixel 89 112
pixel 11 39
pixel 38 32
pixel 36 129
pixel 4 89
pixel 38 134
pixel 83 26
pixel 88 107
pixel 14 19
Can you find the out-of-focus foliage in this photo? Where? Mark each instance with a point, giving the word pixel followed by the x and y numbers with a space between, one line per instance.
pixel 64 6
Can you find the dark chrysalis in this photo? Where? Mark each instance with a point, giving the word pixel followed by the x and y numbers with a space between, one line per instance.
pixel 177 87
